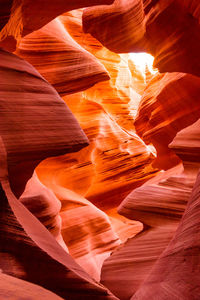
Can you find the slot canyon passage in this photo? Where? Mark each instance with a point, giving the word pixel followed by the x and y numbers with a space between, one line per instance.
pixel 100 149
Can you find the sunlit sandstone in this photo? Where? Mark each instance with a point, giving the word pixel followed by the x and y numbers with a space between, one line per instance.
pixel 63 185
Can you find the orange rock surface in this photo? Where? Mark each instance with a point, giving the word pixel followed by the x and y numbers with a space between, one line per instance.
pixel 105 112
pixel 176 272
pixel 144 26
pixel 27 249
pixel 108 209
pixel 30 133
pixel 159 204
pixel 15 288
pixel 43 204
pixel 169 104
pixel 21 17
pixel 62 61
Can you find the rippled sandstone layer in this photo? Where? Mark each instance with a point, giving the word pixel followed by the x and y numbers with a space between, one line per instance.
pixel 56 239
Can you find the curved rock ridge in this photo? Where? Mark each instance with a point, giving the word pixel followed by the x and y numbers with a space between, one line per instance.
pixel 90 174
pixel 14 288
pixel 120 95
pixel 187 144
pixel 106 113
pixel 169 104
pixel 143 26
pixel 43 204
pixel 28 249
pixel 61 235
pixel 109 168
pixel 90 238
pixel 120 26
pixel 159 204
pixel 62 61
pixel 113 62
pixel 176 273
pixel 21 17
pixel 35 121
pixel 111 105
pixel 159 207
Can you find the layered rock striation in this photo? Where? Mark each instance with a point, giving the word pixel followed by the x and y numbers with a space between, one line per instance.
pixel 62 61
pixel 61 235
pixel 169 104
pixel 159 204
pixel 144 26
pixel 35 120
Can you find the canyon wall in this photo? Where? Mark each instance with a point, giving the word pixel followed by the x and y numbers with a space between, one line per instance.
pixel 98 159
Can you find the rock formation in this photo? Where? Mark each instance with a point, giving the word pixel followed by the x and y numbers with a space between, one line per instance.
pixel 107 209
pixel 160 117
pixel 62 61
pixel 26 16
pixel 15 288
pixel 176 273
pixel 30 133
pixel 144 26
pixel 160 219
pixel 105 112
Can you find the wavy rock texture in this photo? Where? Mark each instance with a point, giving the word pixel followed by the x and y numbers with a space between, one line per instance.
pixel 43 133
pixel 91 174
pixel 30 133
pixel 34 137
pixel 143 26
pixel 27 249
pixel 14 288
pixel 176 273
pixel 91 237
pixel 70 202
pixel 105 112
pixel 160 117
pixel 120 26
pixel 109 146
pixel 159 206
pixel 62 61
pixel 21 17
pixel 43 204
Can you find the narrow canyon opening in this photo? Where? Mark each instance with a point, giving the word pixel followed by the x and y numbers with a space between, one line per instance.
pixel 99 158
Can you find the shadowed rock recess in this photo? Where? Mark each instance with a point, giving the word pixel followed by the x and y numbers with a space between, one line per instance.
pixel 99 151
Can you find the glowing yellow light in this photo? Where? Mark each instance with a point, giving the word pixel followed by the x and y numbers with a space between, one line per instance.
pixel 141 60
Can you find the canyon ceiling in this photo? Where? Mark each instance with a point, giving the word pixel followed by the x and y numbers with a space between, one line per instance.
pixel 99 159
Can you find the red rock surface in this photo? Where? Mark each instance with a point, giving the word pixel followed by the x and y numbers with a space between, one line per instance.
pixel 43 204
pixel 89 238
pixel 106 113
pixel 27 249
pixel 159 206
pixel 62 61
pixel 30 133
pixel 74 179
pixel 21 17
pixel 91 174
pixel 105 184
pixel 144 26
pixel 176 273
pixel 169 104
pixel 14 288
pixel 64 235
